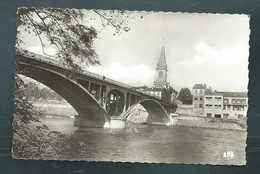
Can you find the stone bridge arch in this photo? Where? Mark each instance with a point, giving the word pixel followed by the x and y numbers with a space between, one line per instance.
pixel 115 102
pixel 91 113
pixel 157 115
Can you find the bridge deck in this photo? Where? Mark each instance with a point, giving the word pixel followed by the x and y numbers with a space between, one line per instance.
pixel 53 62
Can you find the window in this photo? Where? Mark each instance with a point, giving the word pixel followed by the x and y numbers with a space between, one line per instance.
pixel 196 91
pixel 218 98
pixel 240 115
pixel 201 105
pixel 208 106
pixel 218 106
pixel 201 91
pixel 201 98
pixel 160 76
pixel 225 115
pixel 195 98
pixel 217 115
pixel 208 114
pixel 208 98
pixel 240 108
pixel 228 107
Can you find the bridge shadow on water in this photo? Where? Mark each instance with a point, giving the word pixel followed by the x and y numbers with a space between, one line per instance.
pixel 149 143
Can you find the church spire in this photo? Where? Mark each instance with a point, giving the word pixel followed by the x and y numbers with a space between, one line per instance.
pixel 161 70
pixel 162 60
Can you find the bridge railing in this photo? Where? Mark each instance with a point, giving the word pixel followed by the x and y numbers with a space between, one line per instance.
pixel 54 62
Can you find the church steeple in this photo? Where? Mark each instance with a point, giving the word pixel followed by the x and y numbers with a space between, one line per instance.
pixel 161 65
pixel 161 70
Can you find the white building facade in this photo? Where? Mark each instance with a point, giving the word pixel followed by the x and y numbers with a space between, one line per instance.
pixel 226 105
pixel 213 105
pixel 198 92
pixel 235 105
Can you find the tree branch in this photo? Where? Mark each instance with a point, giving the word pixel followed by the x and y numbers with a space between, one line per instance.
pixel 37 32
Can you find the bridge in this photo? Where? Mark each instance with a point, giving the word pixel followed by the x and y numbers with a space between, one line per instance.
pixel 95 98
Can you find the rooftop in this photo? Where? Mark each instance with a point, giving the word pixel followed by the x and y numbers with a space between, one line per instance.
pixel 228 94
pixel 199 86
pixel 214 93
pixel 234 94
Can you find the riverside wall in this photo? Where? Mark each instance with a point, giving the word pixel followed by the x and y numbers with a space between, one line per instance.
pixel 192 121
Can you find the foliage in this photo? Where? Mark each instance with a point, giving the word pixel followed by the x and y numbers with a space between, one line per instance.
pixel 30 141
pixel 62 29
pixel 66 31
pixel 21 105
pixel 34 92
pixel 185 96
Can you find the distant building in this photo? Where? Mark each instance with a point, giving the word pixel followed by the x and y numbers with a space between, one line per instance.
pixel 166 94
pixel 213 104
pixel 198 92
pixel 161 88
pixel 210 103
pixel 235 105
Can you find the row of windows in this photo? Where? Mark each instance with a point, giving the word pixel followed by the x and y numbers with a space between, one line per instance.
pixel 238 101
pixel 235 108
pixel 195 98
pixel 207 98
pixel 224 115
pixel 220 98
pixel 216 98
pixel 238 115
pixel 216 106
pixel 216 115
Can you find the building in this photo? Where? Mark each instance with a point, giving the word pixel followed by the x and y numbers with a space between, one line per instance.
pixel 166 94
pixel 198 92
pixel 211 103
pixel 161 88
pixel 235 105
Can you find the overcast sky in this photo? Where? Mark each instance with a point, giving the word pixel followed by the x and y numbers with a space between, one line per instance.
pixel 199 48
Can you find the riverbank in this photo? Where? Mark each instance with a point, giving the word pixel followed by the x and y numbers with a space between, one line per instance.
pixel 63 110
pixel 204 122
pixel 54 108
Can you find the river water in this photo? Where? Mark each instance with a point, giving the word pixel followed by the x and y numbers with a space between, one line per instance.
pixel 158 144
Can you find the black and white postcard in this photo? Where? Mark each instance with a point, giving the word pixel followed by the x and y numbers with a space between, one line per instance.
pixel 131 86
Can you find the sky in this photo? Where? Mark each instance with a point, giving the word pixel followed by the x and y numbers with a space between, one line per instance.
pixel 212 49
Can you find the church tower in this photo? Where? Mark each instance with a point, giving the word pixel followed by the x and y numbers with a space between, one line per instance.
pixel 161 71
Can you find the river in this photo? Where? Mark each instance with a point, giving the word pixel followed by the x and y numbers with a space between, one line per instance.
pixel 158 144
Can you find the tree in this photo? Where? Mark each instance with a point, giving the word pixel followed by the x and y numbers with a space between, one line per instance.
pixel 64 30
pixel 185 96
pixel 29 142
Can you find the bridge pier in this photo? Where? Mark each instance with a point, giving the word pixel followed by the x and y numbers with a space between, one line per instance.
pixel 118 123
pixel 152 119
pixel 79 122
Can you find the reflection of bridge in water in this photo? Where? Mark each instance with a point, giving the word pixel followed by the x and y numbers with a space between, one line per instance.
pixel 95 98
